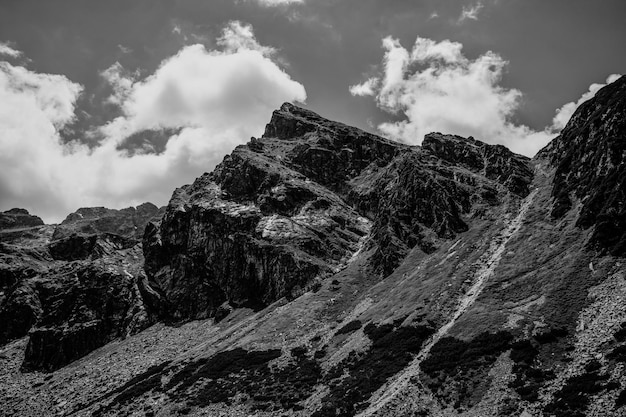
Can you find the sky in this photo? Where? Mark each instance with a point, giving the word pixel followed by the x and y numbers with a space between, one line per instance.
pixel 117 103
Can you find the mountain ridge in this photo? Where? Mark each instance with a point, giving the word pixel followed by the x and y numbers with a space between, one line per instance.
pixel 322 270
pixel 321 178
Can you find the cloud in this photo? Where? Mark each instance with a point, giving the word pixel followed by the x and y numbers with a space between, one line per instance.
pixel 197 88
pixel 470 12
pixel 566 111
pixel 120 80
pixel 366 88
pixel 275 3
pixel 124 49
pixel 237 36
pixel 6 50
pixel 211 100
pixel 437 89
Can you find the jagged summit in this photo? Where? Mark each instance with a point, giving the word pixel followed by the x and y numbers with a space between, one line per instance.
pixel 291 121
pixel 496 161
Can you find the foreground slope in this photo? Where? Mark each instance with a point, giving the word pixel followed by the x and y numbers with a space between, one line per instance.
pixel 336 273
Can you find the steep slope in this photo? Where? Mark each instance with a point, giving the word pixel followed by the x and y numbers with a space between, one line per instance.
pixel 541 337
pixel 589 160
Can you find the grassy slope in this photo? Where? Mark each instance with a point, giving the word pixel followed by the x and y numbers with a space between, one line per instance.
pixel 541 282
pixel 545 284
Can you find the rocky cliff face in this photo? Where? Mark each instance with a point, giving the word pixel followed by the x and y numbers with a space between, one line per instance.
pixel 73 287
pixel 343 274
pixel 589 157
pixel 18 218
pixel 291 208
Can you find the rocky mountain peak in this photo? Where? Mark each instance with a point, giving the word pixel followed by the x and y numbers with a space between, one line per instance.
pixel 292 121
pixel 309 194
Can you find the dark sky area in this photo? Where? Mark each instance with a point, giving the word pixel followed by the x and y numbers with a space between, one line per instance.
pixel 554 50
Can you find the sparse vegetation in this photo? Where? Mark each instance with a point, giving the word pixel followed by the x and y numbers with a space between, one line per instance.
pixel 528 379
pixel 618 354
pixel 621 399
pixel 136 387
pixel 620 335
pixel 551 336
pixel 456 370
pixel 573 399
pixel 221 365
pixel 353 326
pixel 358 376
pixel 220 378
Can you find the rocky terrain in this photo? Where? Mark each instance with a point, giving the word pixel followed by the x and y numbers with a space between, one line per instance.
pixel 72 287
pixel 322 270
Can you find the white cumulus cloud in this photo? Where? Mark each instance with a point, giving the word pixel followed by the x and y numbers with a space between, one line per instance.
pixel 366 88
pixel 213 100
pixel 7 50
pixel 470 12
pixel 274 3
pixel 437 89
pixel 238 36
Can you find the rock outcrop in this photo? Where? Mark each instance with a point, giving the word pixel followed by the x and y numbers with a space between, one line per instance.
pixel 73 287
pixel 129 222
pixel 85 305
pixel 589 156
pixel 18 218
pixel 495 162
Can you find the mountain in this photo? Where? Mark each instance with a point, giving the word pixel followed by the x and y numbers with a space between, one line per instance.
pixel 322 270
pixel 287 210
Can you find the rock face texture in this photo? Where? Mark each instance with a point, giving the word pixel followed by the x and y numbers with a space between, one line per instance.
pixel 129 222
pixel 336 273
pixel 589 156
pixel 495 162
pixel 295 205
pixel 17 218
pixel 73 287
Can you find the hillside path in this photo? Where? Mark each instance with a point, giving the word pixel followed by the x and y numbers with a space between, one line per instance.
pixel 488 261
